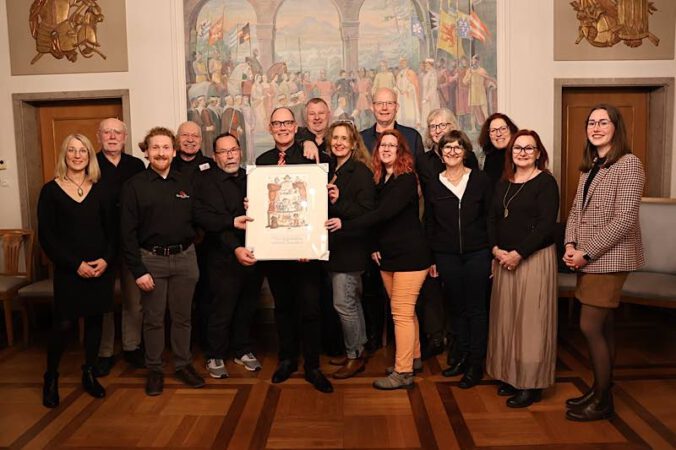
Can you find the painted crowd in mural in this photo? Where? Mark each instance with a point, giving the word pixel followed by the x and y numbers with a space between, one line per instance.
pixel 244 61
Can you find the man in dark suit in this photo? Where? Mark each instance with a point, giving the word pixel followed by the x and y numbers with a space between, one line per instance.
pixel 297 312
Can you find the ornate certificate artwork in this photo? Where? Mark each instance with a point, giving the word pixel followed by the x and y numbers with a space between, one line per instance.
pixel 66 36
pixel 65 28
pixel 289 205
pixel 614 29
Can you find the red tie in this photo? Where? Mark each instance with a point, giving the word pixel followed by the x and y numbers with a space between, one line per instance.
pixel 282 159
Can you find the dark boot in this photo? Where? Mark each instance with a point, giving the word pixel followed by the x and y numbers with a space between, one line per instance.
pixel 458 365
pixel 90 384
pixel 578 402
pixel 506 390
pixel 600 407
pixel 524 398
pixel 433 347
pixel 50 390
pixel 472 377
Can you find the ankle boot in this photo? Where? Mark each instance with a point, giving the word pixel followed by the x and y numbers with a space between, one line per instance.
pixel 578 402
pixel 90 383
pixel 524 398
pixel 458 364
pixel 599 408
pixel 50 390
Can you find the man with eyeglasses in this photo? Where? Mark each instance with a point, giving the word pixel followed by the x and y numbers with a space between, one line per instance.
pixel 234 277
pixel 116 168
pixel 295 285
pixel 385 109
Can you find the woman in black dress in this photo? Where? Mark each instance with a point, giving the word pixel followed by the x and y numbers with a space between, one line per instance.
pixel 494 138
pixel 76 233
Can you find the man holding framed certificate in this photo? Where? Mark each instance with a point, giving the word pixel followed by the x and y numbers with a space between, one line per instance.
pixel 295 284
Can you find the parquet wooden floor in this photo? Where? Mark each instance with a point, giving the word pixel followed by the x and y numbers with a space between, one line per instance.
pixel 246 411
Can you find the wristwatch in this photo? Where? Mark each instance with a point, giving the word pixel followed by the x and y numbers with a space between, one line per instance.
pixel 587 257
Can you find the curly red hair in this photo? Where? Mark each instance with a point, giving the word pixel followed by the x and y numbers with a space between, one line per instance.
pixel 403 163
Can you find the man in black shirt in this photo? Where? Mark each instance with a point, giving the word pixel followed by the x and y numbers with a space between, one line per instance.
pixel 318 116
pixel 116 168
pixel 234 278
pixel 296 302
pixel 157 236
pixel 191 160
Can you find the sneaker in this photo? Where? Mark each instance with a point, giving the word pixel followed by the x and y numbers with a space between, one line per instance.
pixel 395 380
pixel 249 362
pixel 216 368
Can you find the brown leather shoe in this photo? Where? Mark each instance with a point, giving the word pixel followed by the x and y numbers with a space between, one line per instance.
pixel 351 368
pixel 338 361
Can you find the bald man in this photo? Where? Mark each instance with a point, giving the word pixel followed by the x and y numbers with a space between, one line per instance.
pixel 116 168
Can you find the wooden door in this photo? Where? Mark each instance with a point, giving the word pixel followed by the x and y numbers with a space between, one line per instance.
pixel 56 120
pixel 633 103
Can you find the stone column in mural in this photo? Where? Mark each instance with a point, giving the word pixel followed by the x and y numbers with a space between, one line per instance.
pixel 349 32
pixel 266 41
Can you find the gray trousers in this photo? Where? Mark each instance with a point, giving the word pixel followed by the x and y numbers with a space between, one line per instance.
pixel 132 317
pixel 175 277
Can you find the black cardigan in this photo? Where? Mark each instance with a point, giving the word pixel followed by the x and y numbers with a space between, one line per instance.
pixel 454 226
pixel 396 226
pixel 350 250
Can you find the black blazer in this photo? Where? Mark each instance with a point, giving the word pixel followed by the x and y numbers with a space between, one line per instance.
pixel 350 250
pixel 454 226
pixel 395 224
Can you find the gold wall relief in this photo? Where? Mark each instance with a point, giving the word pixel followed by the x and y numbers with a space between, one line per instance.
pixel 604 23
pixel 65 28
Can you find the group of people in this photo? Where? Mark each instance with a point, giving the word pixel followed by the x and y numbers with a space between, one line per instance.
pixel 487 236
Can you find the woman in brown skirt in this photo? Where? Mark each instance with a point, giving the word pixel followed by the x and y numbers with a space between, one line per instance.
pixel 522 321
pixel 603 243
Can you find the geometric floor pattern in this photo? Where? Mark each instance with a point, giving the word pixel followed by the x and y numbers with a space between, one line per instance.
pixel 246 411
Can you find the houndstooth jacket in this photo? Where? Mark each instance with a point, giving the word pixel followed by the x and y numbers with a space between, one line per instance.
pixel 606 227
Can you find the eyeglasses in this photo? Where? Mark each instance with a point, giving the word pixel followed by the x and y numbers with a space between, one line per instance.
pixel 228 151
pixel 603 123
pixel 277 124
pixel 388 146
pixel 500 130
pixel 438 126
pixel 529 149
pixel 386 104
pixel 451 149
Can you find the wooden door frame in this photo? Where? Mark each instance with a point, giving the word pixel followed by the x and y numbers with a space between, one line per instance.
pixel 28 150
pixel 660 118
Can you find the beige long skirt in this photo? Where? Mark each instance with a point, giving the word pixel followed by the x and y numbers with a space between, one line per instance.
pixel 522 322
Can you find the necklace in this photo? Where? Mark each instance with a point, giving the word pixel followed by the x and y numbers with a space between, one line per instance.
pixel 456 179
pixel 80 192
pixel 505 202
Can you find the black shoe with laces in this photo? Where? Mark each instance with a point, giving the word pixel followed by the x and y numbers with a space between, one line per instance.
pixel 285 369
pixel 189 376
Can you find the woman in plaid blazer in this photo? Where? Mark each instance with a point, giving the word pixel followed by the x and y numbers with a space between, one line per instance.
pixel 603 243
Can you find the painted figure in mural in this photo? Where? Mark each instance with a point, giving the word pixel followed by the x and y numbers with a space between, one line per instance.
pixel 478 81
pixel 462 98
pixel 249 126
pixel 258 100
pixel 215 68
pixel 200 68
pixel 408 87
pixel 384 78
pixel 269 92
pixel 254 63
pixel 325 88
pixel 193 110
pixel 604 23
pixel 344 89
pixel 364 114
pixel 210 127
pixel 430 93
pixel 444 85
pixel 232 120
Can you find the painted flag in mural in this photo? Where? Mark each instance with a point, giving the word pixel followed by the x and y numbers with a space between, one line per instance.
pixel 448 35
pixel 434 20
pixel 416 28
pixel 216 31
pixel 244 34
pixel 232 37
pixel 478 29
pixel 463 26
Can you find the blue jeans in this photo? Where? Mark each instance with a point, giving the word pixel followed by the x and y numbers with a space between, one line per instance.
pixel 347 292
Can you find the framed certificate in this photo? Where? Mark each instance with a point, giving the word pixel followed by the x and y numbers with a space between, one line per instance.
pixel 289 205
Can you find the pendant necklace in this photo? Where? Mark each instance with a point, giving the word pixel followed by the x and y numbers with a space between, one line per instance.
pixel 505 202
pixel 80 192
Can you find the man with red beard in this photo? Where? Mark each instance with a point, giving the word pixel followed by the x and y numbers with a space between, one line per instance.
pixel 157 244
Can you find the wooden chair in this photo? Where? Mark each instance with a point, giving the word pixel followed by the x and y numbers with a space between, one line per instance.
pixel 14 275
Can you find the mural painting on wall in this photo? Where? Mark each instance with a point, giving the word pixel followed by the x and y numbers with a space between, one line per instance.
pixel 604 23
pixel 247 57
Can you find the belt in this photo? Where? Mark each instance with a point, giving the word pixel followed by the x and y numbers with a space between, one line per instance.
pixel 167 250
